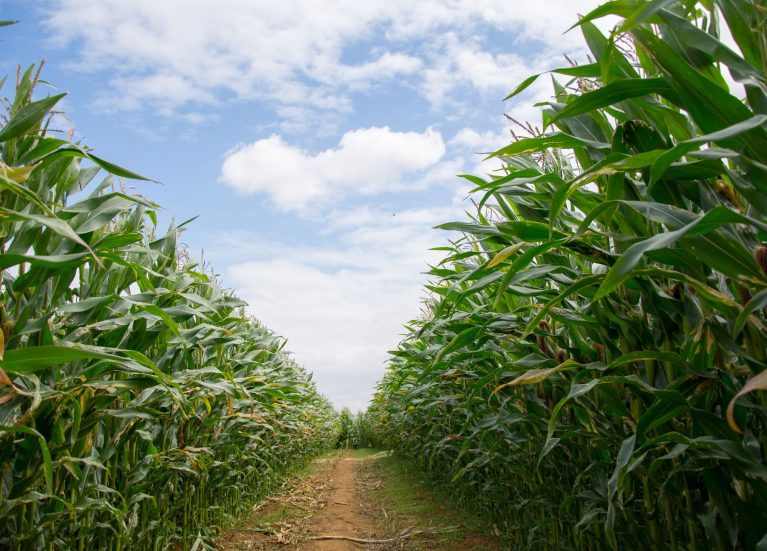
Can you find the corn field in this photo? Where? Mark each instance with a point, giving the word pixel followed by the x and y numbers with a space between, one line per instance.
pixel 588 372
pixel 140 408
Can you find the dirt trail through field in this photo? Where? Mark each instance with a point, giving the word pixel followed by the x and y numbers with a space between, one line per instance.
pixel 353 501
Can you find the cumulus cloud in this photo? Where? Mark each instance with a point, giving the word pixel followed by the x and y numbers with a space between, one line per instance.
pixel 366 161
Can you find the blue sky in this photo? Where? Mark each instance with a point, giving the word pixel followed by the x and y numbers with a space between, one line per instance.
pixel 317 142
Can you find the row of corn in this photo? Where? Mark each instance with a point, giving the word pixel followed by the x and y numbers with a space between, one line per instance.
pixel 590 371
pixel 140 407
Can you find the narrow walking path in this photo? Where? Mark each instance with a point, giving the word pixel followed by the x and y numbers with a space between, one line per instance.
pixel 344 513
pixel 351 501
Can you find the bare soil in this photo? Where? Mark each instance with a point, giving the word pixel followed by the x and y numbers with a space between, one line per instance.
pixel 344 513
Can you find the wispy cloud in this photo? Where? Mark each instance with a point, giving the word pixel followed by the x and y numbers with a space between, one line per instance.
pixel 170 54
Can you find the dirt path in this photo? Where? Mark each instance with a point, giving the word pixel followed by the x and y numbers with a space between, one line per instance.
pixel 327 503
pixel 353 501
pixel 344 513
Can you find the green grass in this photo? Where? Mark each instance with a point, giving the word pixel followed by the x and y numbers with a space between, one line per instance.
pixel 411 500
pixel 365 453
pixel 276 514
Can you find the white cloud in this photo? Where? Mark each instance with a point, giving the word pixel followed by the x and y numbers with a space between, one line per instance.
pixel 164 91
pixel 480 142
pixel 178 52
pixel 458 63
pixel 359 77
pixel 543 22
pixel 340 322
pixel 366 161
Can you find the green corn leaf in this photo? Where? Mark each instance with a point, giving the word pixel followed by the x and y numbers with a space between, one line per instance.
pixel 615 92
pixel 54 224
pixel 757 382
pixel 37 358
pixel 558 140
pixel 28 117
pixel 621 270
pixel 757 302
pixel 47 461
pixel 61 261
pixel 106 165
pixel 591 70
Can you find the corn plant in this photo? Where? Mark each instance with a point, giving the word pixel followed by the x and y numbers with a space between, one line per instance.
pixel 585 372
pixel 140 407
pixel 354 430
